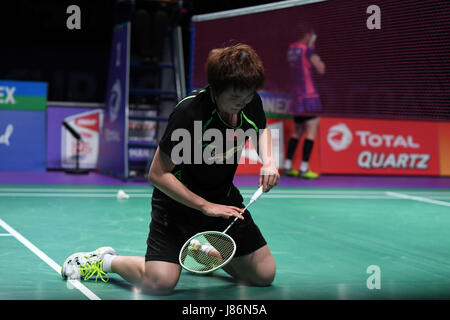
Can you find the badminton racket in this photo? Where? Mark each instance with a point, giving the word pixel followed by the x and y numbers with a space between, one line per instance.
pixel 210 250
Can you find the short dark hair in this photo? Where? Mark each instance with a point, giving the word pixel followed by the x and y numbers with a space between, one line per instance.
pixel 303 28
pixel 237 66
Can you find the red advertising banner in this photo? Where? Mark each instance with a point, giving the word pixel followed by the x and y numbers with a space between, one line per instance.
pixel 88 124
pixel 285 127
pixel 444 148
pixel 362 146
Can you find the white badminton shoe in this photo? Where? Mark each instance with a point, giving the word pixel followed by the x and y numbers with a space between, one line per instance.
pixel 85 265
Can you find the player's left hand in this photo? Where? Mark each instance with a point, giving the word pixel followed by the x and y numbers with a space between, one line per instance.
pixel 268 177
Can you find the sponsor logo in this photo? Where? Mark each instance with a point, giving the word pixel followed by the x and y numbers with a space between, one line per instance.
pixel 375 140
pixel 88 125
pixel 7 95
pixel 275 102
pixel 379 150
pixel 90 122
pixel 339 137
pixel 375 160
pixel 112 135
pixel 4 138
pixel 372 160
pixel 114 101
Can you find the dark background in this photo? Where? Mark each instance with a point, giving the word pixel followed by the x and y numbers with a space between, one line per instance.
pixel 401 71
pixel 36 45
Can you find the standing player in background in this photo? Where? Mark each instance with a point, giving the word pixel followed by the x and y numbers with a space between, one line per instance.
pixel 302 58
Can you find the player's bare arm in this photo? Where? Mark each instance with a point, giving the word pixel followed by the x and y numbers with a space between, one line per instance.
pixel 161 177
pixel 269 175
pixel 318 64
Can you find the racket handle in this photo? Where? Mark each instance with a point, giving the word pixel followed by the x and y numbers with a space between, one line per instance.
pixel 229 226
pixel 256 194
pixel 252 199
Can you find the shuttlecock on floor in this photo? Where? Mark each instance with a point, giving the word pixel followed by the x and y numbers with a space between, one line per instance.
pixel 122 195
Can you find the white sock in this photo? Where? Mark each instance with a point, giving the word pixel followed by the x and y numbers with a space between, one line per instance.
pixel 107 261
pixel 304 166
pixel 287 164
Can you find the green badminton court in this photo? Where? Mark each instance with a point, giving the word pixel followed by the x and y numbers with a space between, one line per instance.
pixel 328 243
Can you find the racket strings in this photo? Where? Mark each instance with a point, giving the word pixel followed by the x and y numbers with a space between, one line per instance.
pixel 207 251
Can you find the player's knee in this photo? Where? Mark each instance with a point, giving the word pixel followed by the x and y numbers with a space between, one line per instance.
pixel 265 277
pixel 159 285
pixel 312 125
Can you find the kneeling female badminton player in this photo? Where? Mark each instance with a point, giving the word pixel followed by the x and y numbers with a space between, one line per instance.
pixel 194 191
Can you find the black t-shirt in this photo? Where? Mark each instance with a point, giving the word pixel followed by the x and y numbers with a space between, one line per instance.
pixel 205 164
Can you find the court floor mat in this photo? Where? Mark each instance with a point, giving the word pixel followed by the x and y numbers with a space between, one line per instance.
pixel 328 243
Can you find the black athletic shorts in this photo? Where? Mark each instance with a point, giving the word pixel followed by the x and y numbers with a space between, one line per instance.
pixel 301 119
pixel 170 228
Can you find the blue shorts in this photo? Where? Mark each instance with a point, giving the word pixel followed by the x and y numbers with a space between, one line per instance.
pixel 301 105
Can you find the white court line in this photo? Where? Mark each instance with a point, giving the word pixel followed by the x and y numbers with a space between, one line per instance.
pixel 147 190
pixel 273 195
pixel 421 199
pixel 106 191
pixel 6 235
pixel 279 190
pixel 36 190
pixel 318 196
pixel 77 284
pixel 110 193
pixel 70 195
pixel 245 195
pixel 359 192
